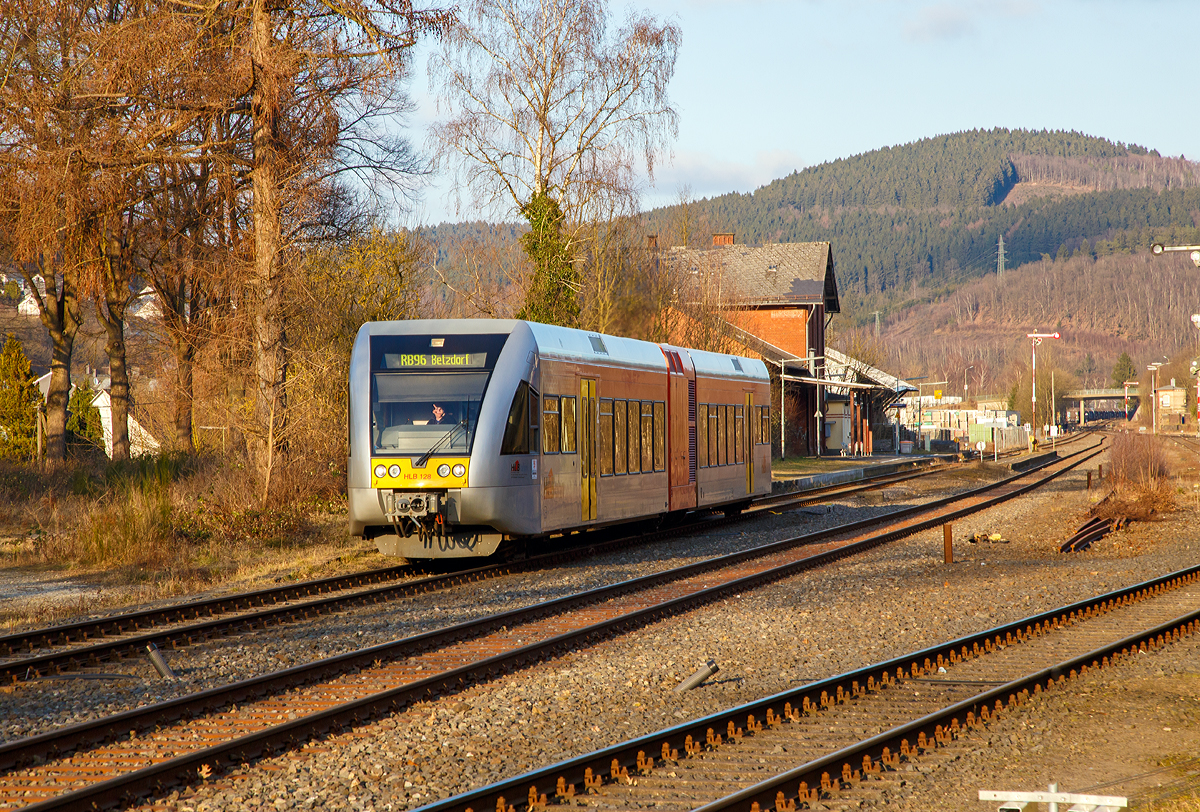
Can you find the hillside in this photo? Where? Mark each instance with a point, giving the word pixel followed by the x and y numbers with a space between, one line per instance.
pixel 927 216
pixel 1136 304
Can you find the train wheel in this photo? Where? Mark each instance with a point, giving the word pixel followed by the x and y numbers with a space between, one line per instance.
pixel 735 510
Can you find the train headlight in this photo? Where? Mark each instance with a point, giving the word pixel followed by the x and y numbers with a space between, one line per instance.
pixel 443 470
pixel 380 471
pixel 460 470
pixel 394 470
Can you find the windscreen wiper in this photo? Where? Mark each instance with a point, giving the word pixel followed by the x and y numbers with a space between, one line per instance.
pixel 424 458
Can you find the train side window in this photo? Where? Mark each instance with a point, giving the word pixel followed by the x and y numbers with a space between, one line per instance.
pixel 647 437
pixel 568 425
pixel 635 434
pixel 620 437
pixel 516 429
pixel 713 435
pixel 721 428
pixel 535 420
pixel 702 436
pixel 739 435
pixel 551 425
pixel 728 435
pixel 605 439
pixel 660 436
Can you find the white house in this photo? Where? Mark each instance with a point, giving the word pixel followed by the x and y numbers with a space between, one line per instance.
pixel 145 305
pixel 140 441
pixel 28 306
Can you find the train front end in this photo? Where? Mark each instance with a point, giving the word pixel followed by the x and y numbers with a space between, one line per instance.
pixel 428 402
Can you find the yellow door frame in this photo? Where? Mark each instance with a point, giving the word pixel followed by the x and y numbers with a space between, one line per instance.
pixel 587 448
pixel 748 441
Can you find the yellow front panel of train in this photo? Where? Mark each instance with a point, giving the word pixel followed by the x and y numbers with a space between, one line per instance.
pixel 398 472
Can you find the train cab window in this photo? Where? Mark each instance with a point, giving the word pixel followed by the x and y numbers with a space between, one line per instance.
pixel 568 425
pixel 411 413
pixel 426 399
pixel 620 437
pixel 647 437
pixel 765 424
pixel 702 436
pixel 739 435
pixel 516 428
pixel 604 437
pixel 551 425
pixel 660 436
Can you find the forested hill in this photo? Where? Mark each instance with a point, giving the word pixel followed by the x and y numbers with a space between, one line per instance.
pixel 929 214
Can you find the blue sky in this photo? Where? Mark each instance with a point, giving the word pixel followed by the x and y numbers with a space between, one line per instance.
pixel 764 88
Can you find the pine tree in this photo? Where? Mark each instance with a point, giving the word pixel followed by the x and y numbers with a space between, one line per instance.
pixel 1124 370
pixel 84 420
pixel 19 398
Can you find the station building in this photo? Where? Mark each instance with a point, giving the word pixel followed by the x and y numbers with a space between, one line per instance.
pixel 776 301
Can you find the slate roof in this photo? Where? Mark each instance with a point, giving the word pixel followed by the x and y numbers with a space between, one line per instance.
pixel 775 274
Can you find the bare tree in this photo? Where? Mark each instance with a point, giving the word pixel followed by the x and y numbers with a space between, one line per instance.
pixel 548 115
pixel 48 135
pixel 316 70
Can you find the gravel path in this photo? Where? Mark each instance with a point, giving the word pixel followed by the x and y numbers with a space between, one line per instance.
pixel 887 602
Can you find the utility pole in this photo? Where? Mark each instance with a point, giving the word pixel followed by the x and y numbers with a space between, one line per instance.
pixel 1000 259
pixel 876 315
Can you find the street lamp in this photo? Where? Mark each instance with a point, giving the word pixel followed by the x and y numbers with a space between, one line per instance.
pixel 965 385
pixel 1153 370
pixel 1193 251
pixel 1037 339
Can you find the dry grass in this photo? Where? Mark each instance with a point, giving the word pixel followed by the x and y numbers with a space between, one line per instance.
pixel 165 526
pixel 1135 501
pixel 1140 472
pixel 1138 459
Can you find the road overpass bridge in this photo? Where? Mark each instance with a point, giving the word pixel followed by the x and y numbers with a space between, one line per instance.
pixel 1084 396
pixel 1101 394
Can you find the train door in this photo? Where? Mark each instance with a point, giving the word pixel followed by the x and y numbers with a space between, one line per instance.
pixel 747 441
pixel 587 448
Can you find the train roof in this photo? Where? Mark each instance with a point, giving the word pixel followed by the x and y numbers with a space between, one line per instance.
pixel 434 326
pixel 581 345
pixel 715 364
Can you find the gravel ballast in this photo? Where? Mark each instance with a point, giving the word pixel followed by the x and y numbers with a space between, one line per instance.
pixel 882 604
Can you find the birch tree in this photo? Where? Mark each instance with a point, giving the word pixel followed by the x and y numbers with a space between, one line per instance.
pixel 549 115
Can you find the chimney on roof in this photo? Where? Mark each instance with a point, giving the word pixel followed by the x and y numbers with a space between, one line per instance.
pixel 652 242
pixel 723 239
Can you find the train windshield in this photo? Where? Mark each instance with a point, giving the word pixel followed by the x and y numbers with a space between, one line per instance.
pixel 426 391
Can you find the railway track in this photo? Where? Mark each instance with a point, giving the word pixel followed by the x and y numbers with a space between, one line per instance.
pixel 846 740
pixel 70 647
pixel 110 760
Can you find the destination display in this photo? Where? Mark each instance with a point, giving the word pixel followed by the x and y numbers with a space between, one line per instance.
pixel 459 360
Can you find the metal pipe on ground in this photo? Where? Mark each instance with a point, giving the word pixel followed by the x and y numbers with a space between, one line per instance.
pixel 699 677
pixel 160 664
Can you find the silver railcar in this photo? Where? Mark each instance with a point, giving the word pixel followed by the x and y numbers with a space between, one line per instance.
pixel 467 433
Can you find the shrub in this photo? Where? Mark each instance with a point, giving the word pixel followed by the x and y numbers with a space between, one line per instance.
pixel 84 422
pixel 1138 459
